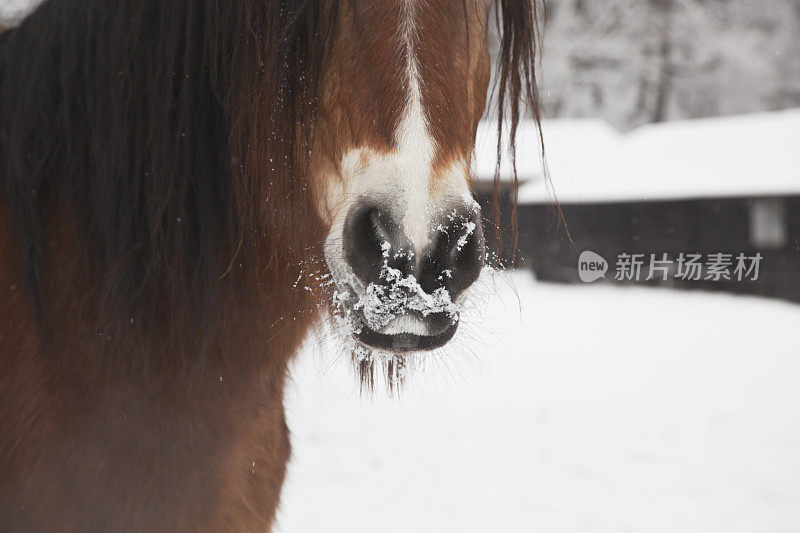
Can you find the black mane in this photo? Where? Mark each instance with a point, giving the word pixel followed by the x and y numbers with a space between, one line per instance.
pixel 127 113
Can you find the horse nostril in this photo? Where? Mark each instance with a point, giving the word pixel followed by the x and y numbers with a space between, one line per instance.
pixel 368 229
pixel 373 240
pixel 455 259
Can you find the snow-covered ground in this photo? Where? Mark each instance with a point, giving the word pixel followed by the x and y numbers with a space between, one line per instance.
pixel 589 409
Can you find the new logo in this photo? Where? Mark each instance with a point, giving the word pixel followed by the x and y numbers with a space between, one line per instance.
pixel 591 267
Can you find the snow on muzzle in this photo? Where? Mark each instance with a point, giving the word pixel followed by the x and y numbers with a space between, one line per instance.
pixel 399 298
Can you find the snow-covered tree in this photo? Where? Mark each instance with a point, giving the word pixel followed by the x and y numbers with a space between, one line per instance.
pixel 637 61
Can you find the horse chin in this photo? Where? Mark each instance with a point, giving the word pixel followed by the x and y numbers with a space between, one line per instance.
pixel 401 343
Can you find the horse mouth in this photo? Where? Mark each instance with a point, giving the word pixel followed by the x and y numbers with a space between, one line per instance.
pixel 404 342
pixel 396 315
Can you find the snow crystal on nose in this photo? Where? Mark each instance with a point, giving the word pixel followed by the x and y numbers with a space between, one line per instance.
pixel 383 302
pixel 462 241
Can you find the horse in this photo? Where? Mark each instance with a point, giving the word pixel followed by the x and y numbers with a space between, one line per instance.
pixel 169 171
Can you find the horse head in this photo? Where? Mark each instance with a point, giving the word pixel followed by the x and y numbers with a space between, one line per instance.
pixel 401 93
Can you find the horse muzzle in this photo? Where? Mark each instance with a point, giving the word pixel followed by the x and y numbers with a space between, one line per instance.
pixel 399 293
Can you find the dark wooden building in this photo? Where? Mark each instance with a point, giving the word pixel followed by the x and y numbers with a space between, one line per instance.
pixel 667 193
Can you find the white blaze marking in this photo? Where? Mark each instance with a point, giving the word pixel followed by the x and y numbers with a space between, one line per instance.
pixel 415 147
pixel 401 177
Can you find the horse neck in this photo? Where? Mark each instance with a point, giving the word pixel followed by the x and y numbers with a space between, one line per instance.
pixel 206 429
pixel 156 397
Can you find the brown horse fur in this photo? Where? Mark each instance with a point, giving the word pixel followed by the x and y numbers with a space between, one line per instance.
pixel 159 203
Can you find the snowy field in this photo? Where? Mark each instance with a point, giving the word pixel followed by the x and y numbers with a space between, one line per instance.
pixel 588 409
